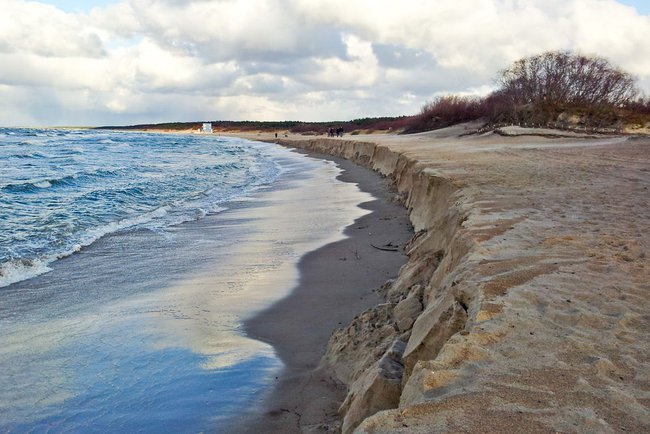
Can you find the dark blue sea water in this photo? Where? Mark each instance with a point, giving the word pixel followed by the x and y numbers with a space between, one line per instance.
pixel 61 190
pixel 128 262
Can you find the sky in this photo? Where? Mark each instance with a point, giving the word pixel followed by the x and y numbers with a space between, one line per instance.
pixel 117 62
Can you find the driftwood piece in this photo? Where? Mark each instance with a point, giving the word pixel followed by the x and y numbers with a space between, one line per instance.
pixel 387 248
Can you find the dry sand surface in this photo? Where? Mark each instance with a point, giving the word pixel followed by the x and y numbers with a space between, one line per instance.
pixel 525 303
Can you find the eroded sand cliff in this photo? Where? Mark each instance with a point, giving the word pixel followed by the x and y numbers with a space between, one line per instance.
pixel 524 306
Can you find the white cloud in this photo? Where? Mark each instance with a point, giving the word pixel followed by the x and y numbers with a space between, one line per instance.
pixel 358 70
pixel 39 29
pixel 163 60
pixel 488 34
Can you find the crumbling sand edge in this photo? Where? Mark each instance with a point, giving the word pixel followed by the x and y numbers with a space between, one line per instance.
pixel 524 304
pixel 378 353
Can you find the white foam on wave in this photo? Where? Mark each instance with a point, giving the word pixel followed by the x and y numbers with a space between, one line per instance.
pixel 16 271
pixel 157 220
pixel 22 269
pixel 43 184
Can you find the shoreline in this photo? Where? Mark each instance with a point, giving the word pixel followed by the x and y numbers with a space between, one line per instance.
pixel 336 283
pixel 524 300
pixel 159 315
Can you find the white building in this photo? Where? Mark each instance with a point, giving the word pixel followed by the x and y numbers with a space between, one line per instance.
pixel 207 127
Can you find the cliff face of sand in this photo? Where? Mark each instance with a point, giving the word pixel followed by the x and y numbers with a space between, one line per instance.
pixel 524 303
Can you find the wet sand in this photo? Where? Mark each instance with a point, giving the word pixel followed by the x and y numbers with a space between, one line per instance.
pixel 337 282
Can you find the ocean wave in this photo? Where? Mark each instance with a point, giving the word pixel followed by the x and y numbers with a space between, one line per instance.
pixel 16 270
pixel 28 155
pixel 43 184
pixel 53 207
pixel 160 219
pixel 32 186
pixel 22 269
pixel 64 181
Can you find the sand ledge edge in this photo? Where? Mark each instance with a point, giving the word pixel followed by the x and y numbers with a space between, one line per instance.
pixel 441 345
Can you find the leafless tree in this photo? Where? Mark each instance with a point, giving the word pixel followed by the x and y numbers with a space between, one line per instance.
pixel 563 78
pixel 544 90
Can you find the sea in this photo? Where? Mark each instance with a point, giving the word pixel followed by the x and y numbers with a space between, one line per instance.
pixel 129 262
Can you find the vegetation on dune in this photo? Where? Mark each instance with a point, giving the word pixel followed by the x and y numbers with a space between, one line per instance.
pixel 355 125
pixel 445 111
pixel 558 89
pixel 565 78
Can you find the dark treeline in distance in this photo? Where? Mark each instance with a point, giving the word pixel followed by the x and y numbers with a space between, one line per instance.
pixel 297 127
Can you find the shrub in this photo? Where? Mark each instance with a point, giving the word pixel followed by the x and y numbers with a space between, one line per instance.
pixel 557 78
pixel 447 110
pixel 543 89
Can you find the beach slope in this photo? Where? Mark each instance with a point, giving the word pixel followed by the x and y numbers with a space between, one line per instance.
pixel 524 302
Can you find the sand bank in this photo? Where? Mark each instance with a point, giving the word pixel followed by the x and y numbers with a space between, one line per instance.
pixel 524 303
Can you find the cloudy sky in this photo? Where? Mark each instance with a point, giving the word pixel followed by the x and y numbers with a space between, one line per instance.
pixel 99 62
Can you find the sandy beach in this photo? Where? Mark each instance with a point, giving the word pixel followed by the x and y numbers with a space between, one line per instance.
pixel 336 282
pixel 325 217
pixel 523 304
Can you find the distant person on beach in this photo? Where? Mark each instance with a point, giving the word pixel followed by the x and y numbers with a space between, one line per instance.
pixel 338 132
pixel 276 135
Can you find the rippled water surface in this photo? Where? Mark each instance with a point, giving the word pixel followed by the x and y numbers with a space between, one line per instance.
pixel 63 189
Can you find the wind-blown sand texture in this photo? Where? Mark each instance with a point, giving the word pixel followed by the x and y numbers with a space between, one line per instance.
pixel 525 302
